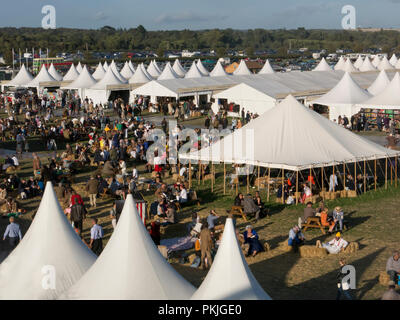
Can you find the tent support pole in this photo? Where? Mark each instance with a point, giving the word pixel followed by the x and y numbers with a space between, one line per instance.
pixel 344 176
pixel 199 173
pixel 248 181
pixel 365 177
pixel 269 177
pixel 375 174
pixel 395 172
pixel 212 177
pixel 355 177
pixel 224 178
pixel 190 174
pixel 333 178
pixel 297 187
pixel 322 179
pixel 391 172
pixel 283 184
pixel 311 179
pixel 386 174
pixel 258 178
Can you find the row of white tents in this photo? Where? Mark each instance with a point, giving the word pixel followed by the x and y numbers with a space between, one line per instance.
pixel 52 262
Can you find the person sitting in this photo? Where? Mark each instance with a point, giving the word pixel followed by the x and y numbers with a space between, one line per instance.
pixel 239 200
pixel 307 194
pixel 183 195
pixel 258 201
pixel 326 221
pixel 249 207
pixel 170 214
pixel 338 217
pixel 251 237
pixel 296 237
pixel 211 218
pixel 108 170
pixel 393 266
pixel 320 209
pixel 307 213
pixel 162 207
pixel 335 245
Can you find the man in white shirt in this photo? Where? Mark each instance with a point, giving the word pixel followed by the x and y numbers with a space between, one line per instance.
pixel 15 159
pixel 336 245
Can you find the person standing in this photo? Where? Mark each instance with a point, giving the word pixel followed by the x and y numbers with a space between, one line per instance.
pixel 96 237
pixel 78 213
pixel 13 232
pixel 37 165
pixel 205 246
pixel 92 188
pixel 343 286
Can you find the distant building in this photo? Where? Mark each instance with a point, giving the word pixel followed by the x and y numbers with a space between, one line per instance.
pixel 59 63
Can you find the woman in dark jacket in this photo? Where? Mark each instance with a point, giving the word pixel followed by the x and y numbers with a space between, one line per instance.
pixel 251 237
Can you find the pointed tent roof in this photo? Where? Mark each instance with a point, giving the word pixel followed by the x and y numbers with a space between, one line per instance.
pixel 376 61
pixel 193 72
pixel 202 69
pixel 292 143
pixel 99 73
pixel 397 66
pixel 340 64
pixel 109 79
pixel 322 66
pixel 230 277
pixel 347 91
pixel 142 272
pixel 79 67
pixel 114 68
pixel 267 68
pixel 131 66
pixel 50 241
pixel 385 64
pixel 393 60
pixel 126 71
pixel 242 69
pixel 358 62
pixel 168 73
pixel 23 77
pixel 156 66
pixel 153 70
pixel 54 73
pixel 389 98
pixel 72 74
pixel 140 76
pixel 367 65
pixel 218 70
pixel 42 76
pixel 85 80
pixel 105 66
pixel 380 83
pixel 348 66
pixel 179 70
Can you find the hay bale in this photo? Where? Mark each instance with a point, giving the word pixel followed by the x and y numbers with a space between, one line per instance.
pixel 208 177
pixel 352 247
pixel 312 251
pixel 175 176
pixel 338 194
pixel 166 174
pixel 322 194
pixel 267 247
pixel 343 194
pixel 384 278
pixel 351 194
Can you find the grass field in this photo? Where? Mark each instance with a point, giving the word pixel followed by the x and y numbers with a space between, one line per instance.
pixel 372 218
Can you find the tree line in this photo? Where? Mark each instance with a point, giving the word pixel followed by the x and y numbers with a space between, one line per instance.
pixel 109 39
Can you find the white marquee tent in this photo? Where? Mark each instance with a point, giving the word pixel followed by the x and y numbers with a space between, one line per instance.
pixel 179 70
pixel 358 62
pixel 202 69
pixel 397 66
pixel 298 138
pixel 367 65
pixel 267 68
pixel 114 68
pixel 193 72
pixel 49 248
pixel 376 61
pixel 42 76
pixel 385 64
pixel 348 67
pixel 72 74
pixel 380 83
pixel 218 70
pixel 168 73
pixel 126 71
pixel 342 98
pixel 140 76
pixel 54 73
pixel 79 67
pixel 84 81
pixel 105 66
pixel 153 70
pixel 393 60
pixel 340 64
pixel 99 73
pixel 389 98
pixel 22 78
pixel 242 69
pixel 131 66
pixel 322 66
pixel 230 277
pixel 130 267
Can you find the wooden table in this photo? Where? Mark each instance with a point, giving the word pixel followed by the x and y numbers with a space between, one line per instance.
pixel 313 222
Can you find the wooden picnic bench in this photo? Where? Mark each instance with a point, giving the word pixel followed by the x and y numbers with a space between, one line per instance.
pixel 313 222
pixel 238 210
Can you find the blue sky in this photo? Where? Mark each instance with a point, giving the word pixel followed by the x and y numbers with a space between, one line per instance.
pixel 190 14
